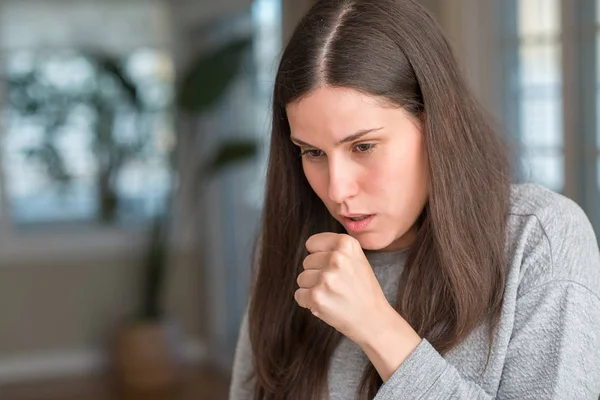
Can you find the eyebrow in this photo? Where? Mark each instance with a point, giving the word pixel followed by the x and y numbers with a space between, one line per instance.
pixel 347 139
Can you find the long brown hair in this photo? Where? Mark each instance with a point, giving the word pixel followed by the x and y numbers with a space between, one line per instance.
pixel 454 276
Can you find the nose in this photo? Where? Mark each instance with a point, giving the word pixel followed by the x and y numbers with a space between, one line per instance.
pixel 342 181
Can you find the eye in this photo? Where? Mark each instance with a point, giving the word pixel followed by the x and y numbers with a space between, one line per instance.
pixel 364 148
pixel 311 153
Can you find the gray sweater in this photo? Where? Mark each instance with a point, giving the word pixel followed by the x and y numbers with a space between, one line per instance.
pixel 548 342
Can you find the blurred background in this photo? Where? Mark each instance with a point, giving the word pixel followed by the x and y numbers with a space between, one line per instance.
pixel 134 136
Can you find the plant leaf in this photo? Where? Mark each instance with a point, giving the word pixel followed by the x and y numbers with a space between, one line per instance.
pixel 209 76
pixel 231 152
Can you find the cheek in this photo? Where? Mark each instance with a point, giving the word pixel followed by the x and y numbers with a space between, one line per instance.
pixel 386 173
pixel 400 176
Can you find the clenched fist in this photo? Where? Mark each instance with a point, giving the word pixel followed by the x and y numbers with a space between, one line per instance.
pixel 339 287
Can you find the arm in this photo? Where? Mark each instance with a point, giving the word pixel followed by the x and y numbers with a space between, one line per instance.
pixel 240 388
pixel 554 347
pixel 554 353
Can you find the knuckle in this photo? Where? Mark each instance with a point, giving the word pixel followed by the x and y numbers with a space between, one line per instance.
pixel 346 242
pixel 328 280
pixel 315 299
pixel 336 259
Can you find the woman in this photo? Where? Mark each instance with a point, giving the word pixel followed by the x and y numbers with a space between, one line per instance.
pixel 396 260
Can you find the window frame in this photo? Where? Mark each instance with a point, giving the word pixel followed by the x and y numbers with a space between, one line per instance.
pixel 578 68
pixel 47 243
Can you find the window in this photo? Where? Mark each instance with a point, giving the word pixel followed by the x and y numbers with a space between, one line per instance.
pixel 87 129
pixel 266 15
pixel 536 96
pixel 551 70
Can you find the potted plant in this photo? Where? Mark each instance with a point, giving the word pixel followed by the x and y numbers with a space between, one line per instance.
pixel 145 352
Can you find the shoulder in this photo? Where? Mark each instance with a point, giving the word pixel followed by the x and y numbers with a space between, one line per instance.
pixel 550 239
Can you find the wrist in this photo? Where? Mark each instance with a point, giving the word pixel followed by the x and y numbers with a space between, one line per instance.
pixel 390 341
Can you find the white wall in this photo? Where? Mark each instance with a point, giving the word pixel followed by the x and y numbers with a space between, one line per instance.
pixel 471 27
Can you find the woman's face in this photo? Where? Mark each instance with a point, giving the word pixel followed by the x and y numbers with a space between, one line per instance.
pixel 365 160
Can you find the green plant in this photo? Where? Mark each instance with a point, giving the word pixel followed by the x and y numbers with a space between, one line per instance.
pixel 201 87
pixel 110 91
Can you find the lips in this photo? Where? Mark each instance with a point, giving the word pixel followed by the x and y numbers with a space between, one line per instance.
pixel 356 222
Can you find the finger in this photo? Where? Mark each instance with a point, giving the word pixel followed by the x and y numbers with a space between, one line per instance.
pixel 308 278
pixel 302 297
pixel 316 260
pixel 305 299
pixel 326 241
pixel 347 244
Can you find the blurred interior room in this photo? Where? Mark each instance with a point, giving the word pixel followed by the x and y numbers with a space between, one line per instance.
pixel 134 141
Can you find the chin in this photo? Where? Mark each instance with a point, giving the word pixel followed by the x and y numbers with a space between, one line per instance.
pixel 370 241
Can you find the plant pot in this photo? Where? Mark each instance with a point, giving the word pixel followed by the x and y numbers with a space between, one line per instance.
pixel 145 356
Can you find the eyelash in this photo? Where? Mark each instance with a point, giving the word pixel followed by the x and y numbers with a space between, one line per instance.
pixel 370 147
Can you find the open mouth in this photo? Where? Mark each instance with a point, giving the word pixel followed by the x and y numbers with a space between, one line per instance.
pixel 360 218
pixel 357 223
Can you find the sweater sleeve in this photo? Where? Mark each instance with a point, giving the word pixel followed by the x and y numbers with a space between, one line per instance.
pixel 554 346
pixel 554 353
pixel 241 388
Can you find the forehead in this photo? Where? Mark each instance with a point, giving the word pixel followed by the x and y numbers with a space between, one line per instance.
pixel 336 111
pixel 332 114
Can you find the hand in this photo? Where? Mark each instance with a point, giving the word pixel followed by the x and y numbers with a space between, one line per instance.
pixel 339 287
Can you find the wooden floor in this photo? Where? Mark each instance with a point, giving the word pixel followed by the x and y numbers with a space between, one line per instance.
pixel 199 383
